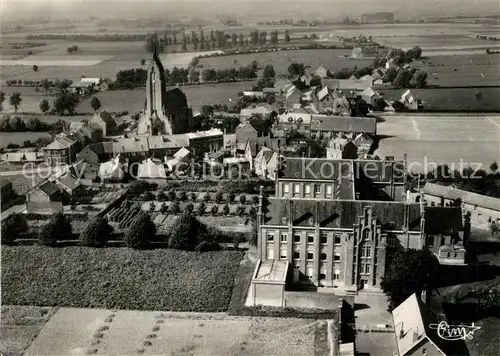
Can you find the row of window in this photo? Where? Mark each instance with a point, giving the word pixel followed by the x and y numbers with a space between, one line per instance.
pixel 365 268
pixel 297 238
pixel 309 255
pixel 322 273
pixel 307 189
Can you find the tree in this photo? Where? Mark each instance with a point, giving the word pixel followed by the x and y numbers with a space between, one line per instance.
pixel 417 52
pixel 95 103
pixel 189 207
pixel 44 106
pixel 215 209
pixel 194 76
pixel 58 227
pixel 410 271
pixel 97 233
pixel 201 208
pixel 193 196
pixel 15 101
pixel 230 197
pixel 390 75
pixel 2 99
pixel 206 197
pixel 218 196
pixel 175 208
pixel 494 167
pixel 243 199
pixel 143 62
pixel 269 71
pixel 403 79
pixel 141 232
pixel 296 69
pixel 46 85
pixel 225 209
pixel 35 68
pixel 152 207
pixel 183 195
pixel 66 102
pixel 420 79
pixel 187 232
pixel 164 208
pixel 287 36
pixel 494 228
pixel 12 228
pixel 152 41
pixel 274 37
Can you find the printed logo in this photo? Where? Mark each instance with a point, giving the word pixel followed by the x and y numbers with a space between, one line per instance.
pixel 454 332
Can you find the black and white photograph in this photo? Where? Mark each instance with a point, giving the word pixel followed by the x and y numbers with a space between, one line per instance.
pixel 250 178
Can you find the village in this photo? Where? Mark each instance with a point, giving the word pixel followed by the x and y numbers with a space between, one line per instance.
pixel 290 182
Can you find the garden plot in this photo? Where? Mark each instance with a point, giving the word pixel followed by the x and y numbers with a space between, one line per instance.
pixel 119 332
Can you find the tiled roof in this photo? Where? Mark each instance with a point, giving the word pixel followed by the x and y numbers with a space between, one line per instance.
pixel 315 168
pixel 344 124
pixel 340 213
pixel 244 124
pixel 68 181
pixel 450 193
pixel 323 93
pixel 379 171
pixel 48 188
pixel 60 143
pixel 355 84
pixel 173 141
pixel 132 144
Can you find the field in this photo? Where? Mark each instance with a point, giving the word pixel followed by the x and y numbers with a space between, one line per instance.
pixel 133 100
pixel 331 59
pixel 118 278
pixel 441 139
pixel 119 332
pixel 453 99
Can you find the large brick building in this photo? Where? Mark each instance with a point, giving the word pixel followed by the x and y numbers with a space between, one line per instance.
pixel 330 238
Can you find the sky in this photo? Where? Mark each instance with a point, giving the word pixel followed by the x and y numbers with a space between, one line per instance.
pixel 323 8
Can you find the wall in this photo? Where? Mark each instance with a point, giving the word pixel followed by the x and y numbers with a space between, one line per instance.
pixel 266 294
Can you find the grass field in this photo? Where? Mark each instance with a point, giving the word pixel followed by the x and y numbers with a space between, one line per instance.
pixel 331 59
pixel 118 278
pixel 118 332
pixel 441 139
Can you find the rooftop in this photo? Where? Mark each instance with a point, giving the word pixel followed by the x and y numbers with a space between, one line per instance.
pixel 60 143
pixel 451 193
pixel 344 124
pixel 271 271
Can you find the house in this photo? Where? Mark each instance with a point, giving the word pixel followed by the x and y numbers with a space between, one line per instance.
pixel 244 132
pixel 260 162
pixel 229 140
pixel 105 122
pixel 416 329
pixel 292 97
pixel 322 72
pixel 341 148
pixel 341 106
pixel 253 146
pixel 256 95
pixel 201 142
pixel 135 148
pixel 341 126
pixel 75 126
pixel 410 100
pixel 69 185
pixel 347 84
pixel 149 169
pixel 483 209
pixel 83 89
pixel 99 83
pixel 44 198
pixel 22 156
pixel 363 142
pixel 113 170
pixel 160 146
pixel 309 98
pixel 86 172
pixel 370 96
pixel 62 150
pixel 6 190
pixel 96 153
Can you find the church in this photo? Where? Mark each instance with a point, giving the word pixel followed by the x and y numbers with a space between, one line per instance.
pixel 166 111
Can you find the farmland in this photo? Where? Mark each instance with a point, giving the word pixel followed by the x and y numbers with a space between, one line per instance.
pixel 118 278
pixel 126 332
pixel 441 139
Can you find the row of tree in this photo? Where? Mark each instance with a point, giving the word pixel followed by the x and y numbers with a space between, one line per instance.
pixel 225 75
pixel 16 124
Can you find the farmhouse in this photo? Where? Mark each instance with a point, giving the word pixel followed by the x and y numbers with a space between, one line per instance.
pixel 44 198
pixel 99 83
pixel 483 209
pixel 83 89
pixel 105 122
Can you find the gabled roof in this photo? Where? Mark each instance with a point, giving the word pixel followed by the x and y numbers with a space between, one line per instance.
pixel 243 125
pixel 60 143
pixel 132 144
pixel 172 141
pixel 207 133
pixel 347 84
pixel 49 188
pixel 182 153
pixel 368 92
pixel 323 93
pixel 451 193
pixel 68 181
pixel 111 169
pixel 106 117
pixel 344 124
pixel 91 80
pixel 150 169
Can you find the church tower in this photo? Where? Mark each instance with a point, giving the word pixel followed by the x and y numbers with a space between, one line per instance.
pixel 154 119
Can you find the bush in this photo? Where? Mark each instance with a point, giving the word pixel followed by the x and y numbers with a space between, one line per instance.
pixel 251 236
pixel 175 208
pixel 187 232
pixel 183 195
pixel 225 209
pixel 243 199
pixel 252 212
pixel 97 233
pixel 193 196
pixel 139 187
pixel 164 208
pixel 152 207
pixel 190 207
pixel 215 210
pixel 162 196
pixel 201 208
pixel 148 196
pixel 206 197
pixel 171 195
pixel 231 197
pixel 206 246
pixel 12 228
pixel 255 199
pixel 240 210
pixel 218 196
pixel 141 232
pixel 59 227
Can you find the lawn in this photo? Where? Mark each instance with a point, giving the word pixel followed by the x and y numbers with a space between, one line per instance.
pixel 118 278
pixel 330 58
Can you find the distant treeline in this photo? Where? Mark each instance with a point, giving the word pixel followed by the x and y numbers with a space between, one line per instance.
pixel 16 124
pixel 82 37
